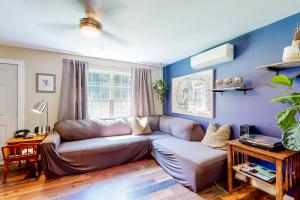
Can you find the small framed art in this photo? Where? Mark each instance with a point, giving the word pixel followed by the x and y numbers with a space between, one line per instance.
pixel 45 83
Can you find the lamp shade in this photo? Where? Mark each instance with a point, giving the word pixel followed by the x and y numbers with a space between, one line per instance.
pixel 39 107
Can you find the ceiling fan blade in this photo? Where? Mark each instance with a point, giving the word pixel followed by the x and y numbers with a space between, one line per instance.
pixel 112 12
pixel 88 5
pixel 104 10
pixel 114 38
pixel 59 28
pixel 112 6
pixel 81 3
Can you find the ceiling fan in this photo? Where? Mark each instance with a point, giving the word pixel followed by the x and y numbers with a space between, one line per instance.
pixel 91 26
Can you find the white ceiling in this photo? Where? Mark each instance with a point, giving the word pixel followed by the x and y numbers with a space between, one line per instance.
pixel 148 31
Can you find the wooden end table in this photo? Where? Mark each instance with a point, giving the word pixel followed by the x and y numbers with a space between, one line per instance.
pixel 287 166
pixel 35 139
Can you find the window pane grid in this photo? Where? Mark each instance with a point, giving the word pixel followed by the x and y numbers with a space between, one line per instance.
pixel 109 94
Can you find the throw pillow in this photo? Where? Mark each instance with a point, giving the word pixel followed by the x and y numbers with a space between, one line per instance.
pixel 140 126
pixel 216 137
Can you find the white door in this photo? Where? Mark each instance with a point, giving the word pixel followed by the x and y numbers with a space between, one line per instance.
pixel 8 102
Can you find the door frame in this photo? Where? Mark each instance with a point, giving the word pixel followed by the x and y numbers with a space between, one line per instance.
pixel 21 88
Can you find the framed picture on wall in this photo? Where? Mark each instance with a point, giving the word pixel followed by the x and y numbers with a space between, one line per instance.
pixel 45 83
pixel 192 95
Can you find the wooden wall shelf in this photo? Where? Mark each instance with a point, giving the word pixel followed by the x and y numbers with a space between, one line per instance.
pixel 244 89
pixel 280 66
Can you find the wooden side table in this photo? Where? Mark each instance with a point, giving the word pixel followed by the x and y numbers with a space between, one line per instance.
pixel 35 139
pixel 287 166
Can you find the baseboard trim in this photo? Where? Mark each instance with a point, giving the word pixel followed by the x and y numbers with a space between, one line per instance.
pixel 262 186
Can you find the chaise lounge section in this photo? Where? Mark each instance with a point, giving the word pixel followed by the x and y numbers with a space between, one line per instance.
pixel 193 164
pixel 80 146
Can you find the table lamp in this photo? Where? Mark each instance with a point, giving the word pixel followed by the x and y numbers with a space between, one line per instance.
pixel 40 108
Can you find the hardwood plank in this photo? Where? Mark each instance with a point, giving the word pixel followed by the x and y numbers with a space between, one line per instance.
pixel 136 194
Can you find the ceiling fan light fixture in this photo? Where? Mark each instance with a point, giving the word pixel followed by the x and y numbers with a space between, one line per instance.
pixel 90 32
pixel 90 27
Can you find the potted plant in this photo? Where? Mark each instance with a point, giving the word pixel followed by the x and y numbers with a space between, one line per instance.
pixel 161 88
pixel 288 119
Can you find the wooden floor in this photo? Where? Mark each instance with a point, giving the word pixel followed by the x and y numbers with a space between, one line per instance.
pixel 139 180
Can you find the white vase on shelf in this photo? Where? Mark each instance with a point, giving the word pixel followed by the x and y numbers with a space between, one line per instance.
pixel 292 52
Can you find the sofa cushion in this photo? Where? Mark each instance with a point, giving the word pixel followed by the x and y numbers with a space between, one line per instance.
pixel 155 135
pixel 72 130
pixel 165 124
pixel 154 122
pixel 193 164
pixel 181 128
pixel 186 129
pixel 195 151
pixel 100 144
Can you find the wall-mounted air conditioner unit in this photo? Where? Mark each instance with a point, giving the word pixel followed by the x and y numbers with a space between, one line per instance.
pixel 217 55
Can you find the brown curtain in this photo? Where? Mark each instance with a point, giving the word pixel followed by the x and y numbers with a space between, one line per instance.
pixel 142 95
pixel 74 91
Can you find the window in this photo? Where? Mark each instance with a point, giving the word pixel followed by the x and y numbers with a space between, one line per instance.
pixel 109 94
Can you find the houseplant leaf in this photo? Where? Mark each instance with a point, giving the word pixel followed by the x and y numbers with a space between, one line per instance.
pixel 291 138
pixel 286 119
pixel 283 80
pixel 161 87
pixel 296 108
pixel 278 99
pixel 295 97
pixel 293 78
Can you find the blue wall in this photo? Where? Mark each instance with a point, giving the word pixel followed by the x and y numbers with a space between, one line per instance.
pixel 263 46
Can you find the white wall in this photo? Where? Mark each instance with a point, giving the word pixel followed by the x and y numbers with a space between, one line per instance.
pixel 37 61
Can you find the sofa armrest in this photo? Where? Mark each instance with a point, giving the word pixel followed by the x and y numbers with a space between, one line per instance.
pixel 50 158
pixel 52 139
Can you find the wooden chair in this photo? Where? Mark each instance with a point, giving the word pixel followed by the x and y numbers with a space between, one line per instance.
pixel 19 152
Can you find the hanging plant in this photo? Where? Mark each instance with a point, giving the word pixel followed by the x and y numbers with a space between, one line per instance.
pixel 288 119
pixel 161 88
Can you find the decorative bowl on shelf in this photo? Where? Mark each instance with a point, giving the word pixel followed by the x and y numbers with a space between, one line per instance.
pixel 239 81
pixel 228 82
pixel 219 83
